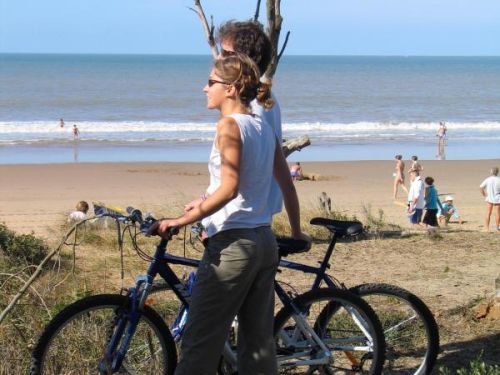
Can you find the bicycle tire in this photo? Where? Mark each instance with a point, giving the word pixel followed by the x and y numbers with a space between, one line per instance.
pixel 73 341
pixel 407 350
pixel 342 335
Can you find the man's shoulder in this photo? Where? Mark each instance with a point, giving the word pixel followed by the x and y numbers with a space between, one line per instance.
pixel 488 179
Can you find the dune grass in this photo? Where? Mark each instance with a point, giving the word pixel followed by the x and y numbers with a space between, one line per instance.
pixel 100 268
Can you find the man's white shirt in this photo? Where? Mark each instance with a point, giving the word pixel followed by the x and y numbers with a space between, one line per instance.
pixel 417 190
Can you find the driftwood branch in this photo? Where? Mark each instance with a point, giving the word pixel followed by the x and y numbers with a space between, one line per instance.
pixel 295 144
pixel 274 21
pixel 28 283
pixel 283 47
pixel 208 29
pixel 257 10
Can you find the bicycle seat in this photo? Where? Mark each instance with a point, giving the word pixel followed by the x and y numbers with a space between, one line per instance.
pixel 287 246
pixel 341 228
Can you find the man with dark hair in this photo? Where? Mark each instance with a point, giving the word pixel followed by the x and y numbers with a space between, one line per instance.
pixel 248 37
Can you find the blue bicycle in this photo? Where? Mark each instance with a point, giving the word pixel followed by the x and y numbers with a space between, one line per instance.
pixel 411 332
pixel 123 334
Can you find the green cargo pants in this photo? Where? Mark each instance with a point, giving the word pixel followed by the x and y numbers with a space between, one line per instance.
pixel 235 277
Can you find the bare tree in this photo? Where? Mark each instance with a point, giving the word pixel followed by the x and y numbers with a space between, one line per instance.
pixel 208 29
pixel 274 21
pixel 273 30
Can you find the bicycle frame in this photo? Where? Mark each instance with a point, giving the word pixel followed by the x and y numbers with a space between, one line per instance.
pixel 160 266
pixel 320 271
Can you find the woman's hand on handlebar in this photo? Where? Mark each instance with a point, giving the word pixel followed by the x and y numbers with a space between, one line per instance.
pixel 162 227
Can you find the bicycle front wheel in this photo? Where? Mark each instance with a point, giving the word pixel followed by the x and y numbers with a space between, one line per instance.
pixel 350 333
pixel 74 341
pixel 411 332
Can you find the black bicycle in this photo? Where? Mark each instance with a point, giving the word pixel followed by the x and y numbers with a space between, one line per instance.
pixel 108 334
pixel 411 332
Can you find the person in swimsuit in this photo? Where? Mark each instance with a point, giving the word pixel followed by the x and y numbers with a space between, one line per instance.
pixel 415 164
pixel 441 134
pixel 76 132
pixel 296 171
pixel 399 175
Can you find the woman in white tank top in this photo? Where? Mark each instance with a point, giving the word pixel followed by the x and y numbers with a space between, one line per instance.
pixel 238 267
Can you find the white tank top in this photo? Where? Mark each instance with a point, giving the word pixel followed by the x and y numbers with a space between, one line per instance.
pixel 250 208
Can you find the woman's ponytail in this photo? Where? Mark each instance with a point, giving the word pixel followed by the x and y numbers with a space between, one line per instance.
pixel 264 94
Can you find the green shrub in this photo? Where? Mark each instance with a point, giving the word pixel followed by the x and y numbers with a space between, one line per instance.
pixel 22 247
pixel 376 222
pixel 476 367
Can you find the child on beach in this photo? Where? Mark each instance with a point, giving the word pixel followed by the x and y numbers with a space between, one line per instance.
pixel 432 203
pixel 447 211
pixel 81 212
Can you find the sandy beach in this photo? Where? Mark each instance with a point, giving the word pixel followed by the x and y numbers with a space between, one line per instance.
pixel 37 197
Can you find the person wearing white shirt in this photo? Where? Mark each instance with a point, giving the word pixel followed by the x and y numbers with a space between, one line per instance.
pixel 416 197
pixel 490 189
pixel 249 37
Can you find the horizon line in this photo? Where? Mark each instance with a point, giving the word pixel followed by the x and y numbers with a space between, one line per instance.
pixel 208 54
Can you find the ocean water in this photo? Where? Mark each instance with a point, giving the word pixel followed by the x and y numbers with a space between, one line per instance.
pixel 152 108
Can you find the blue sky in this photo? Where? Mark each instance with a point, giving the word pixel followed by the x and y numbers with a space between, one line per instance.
pixel 318 27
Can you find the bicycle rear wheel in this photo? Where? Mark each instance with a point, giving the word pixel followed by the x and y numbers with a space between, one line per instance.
pixel 349 329
pixel 411 332
pixel 74 341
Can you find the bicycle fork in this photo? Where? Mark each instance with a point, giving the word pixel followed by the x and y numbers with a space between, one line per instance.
pixel 123 327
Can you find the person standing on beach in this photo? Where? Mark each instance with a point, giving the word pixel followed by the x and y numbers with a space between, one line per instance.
pixel 415 164
pixel 416 198
pixel 490 189
pixel 432 203
pixel 76 132
pixel 399 175
pixel 441 134
pixel 248 37
pixel 61 123
pixel 236 274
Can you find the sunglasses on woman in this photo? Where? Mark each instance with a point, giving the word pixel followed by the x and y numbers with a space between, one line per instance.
pixel 212 82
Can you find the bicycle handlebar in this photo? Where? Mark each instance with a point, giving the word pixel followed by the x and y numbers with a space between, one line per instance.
pixel 149 221
pixel 135 215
